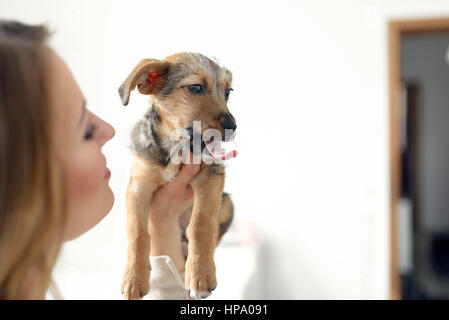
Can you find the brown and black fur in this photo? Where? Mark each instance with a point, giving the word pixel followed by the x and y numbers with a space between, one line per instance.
pixel 174 107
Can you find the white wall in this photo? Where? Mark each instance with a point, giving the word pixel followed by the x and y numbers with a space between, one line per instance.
pixel 310 96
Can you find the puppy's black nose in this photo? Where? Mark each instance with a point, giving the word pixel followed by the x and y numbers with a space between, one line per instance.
pixel 228 124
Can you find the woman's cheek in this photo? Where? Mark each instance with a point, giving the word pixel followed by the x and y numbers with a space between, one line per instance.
pixel 86 178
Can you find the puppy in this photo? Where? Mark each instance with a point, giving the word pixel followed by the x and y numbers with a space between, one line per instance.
pixel 185 88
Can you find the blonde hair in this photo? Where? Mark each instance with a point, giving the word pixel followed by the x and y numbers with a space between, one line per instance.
pixel 32 197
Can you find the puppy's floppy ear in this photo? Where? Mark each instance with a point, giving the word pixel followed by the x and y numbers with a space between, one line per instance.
pixel 149 76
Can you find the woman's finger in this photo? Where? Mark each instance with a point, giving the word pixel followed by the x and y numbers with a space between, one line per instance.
pixel 188 193
pixel 186 174
pixel 188 158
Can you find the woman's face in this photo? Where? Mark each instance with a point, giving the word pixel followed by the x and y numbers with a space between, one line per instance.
pixel 79 136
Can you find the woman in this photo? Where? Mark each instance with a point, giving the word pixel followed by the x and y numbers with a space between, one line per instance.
pixel 53 175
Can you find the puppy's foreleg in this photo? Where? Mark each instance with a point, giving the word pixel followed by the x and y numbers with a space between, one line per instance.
pixel 136 280
pixel 200 277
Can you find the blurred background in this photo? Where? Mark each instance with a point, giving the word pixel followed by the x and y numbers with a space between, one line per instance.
pixel 317 213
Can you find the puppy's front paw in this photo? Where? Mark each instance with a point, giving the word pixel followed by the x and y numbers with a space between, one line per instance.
pixel 136 282
pixel 200 277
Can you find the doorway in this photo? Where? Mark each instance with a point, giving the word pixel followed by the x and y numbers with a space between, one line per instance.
pixel 419 158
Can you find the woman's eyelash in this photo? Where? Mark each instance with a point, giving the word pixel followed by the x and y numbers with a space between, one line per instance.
pixel 90 132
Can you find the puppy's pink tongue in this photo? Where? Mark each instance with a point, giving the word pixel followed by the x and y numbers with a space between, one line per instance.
pixel 216 152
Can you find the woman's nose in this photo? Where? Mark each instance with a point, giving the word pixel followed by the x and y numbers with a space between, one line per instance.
pixel 108 133
pixel 111 131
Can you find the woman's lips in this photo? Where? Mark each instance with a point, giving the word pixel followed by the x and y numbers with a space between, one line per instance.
pixel 107 175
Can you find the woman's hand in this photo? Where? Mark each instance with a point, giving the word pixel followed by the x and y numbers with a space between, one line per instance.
pixel 167 204
pixel 173 198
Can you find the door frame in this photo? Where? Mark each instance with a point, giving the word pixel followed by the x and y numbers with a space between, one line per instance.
pixel 396 29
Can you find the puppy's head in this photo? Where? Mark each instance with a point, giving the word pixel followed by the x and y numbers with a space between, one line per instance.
pixel 185 87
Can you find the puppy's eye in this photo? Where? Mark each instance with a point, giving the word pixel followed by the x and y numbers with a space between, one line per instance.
pixel 227 93
pixel 196 88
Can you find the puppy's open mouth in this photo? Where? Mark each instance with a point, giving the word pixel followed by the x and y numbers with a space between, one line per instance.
pixel 214 148
pixel 216 151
